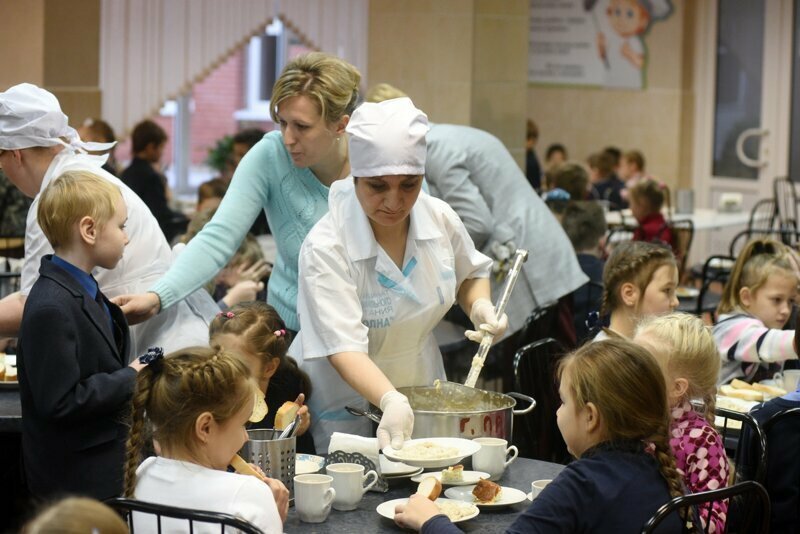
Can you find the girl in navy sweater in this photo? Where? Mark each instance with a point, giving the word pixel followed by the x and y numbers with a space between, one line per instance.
pixel 614 419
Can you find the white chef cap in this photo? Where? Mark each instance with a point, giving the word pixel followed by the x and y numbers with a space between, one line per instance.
pixel 32 117
pixel 387 138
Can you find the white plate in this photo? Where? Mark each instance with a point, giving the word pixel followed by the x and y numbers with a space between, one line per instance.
pixel 465 447
pixel 386 509
pixel 508 496
pixel 470 477
pixel 307 463
pixel 396 469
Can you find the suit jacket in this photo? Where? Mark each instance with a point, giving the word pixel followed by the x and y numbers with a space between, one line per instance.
pixel 75 385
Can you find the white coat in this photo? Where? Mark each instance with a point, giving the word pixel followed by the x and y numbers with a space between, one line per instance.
pixel 146 258
pixel 353 298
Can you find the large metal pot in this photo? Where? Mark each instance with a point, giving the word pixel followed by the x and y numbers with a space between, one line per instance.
pixel 481 413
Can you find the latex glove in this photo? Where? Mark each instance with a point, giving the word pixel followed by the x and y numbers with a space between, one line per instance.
pixel 485 320
pixel 397 421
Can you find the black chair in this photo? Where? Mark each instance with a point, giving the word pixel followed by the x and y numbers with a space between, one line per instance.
pixel 617 235
pixel 749 455
pixel 763 216
pixel 785 196
pixel 536 435
pixel 126 507
pixel 787 236
pixel 715 269
pixel 682 237
pixel 748 500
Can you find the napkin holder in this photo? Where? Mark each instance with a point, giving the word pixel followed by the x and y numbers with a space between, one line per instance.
pixel 336 457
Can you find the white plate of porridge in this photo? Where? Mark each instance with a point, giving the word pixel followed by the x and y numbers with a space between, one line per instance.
pixel 433 452
pixel 457 511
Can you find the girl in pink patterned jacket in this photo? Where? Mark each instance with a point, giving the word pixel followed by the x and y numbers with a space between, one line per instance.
pixel 687 354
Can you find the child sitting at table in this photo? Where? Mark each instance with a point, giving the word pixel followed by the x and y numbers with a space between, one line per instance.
pixel 684 348
pixel 76 515
pixel 198 401
pixel 255 332
pixel 647 198
pixel 613 412
pixel 756 303
pixel 74 377
pixel 639 280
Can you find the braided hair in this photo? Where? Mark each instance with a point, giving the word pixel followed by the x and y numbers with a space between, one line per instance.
pixel 632 262
pixel 174 391
pixel 627 386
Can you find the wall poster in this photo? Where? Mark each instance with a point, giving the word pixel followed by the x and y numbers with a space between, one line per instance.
pixel 592 42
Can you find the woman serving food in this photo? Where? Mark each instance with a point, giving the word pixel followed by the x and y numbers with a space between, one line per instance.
pixel 377 273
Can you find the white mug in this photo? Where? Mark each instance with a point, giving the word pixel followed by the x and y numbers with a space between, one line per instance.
pixel 537 486
pixel 313 495
pixel 348 481
pixel 491 457
pixel 788 379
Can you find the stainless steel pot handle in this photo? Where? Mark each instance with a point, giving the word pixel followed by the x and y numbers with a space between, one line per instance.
pixel 520 396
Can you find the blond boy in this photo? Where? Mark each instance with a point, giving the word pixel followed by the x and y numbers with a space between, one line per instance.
pixel 74 379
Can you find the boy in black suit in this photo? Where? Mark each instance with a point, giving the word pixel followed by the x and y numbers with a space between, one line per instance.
pixel 75 382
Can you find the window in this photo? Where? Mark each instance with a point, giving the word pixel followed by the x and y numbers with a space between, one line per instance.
pixel 265 60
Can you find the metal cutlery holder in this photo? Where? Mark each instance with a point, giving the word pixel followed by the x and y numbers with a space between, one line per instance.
pixel 276 457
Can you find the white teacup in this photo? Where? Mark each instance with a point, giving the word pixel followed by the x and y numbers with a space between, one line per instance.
pixel 537 486
pixel 313 495
pixel 788 379
pixel 491 458
pixel 348 481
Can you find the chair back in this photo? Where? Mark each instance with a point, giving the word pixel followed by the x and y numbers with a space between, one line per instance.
pixel 616 235
pixel 745 442
pixel 762 216
pixel 748 500
pixel 147 512
pixel 537 435
pixel 785 203
pixel 682 237
pixel 787 236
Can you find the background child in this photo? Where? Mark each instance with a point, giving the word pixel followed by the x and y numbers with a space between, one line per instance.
pixel 756 303
pixel 210 194
pixel 647 198
pixel 613 400
pixel 199 401
pixel 684 348
pixel 585 225
pixel 255 331
pixel 74 376
pixel 76 515
pixel 99 131
pixel 606 186
pixel 639 280
pixel 631 168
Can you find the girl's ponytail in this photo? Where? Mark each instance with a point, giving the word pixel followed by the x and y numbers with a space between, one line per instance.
pixel 138 434
pixel 752 268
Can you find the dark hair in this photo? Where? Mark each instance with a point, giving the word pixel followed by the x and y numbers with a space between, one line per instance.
pixel 531 130
pixel 555 147
pixel 584 223
pixel 635 157
pixel 214 188
pixel 249 137
pixel 653 193
pixel 603 162
pixel 255 324
pixel 572 178
pixel 101 130
pixel 614 152
pixel 145 133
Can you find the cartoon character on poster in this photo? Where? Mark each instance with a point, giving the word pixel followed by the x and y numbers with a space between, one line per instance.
pixel 621 47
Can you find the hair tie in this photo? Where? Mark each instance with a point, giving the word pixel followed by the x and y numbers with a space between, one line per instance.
pixel 279 333
pixel 153 355
pixel 228 315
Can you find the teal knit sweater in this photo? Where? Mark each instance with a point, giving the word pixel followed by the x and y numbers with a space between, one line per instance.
pixel 293 199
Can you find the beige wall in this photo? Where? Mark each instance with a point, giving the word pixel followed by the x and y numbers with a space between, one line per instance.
pixel 656 120
pixel 56 46
pixel 461 61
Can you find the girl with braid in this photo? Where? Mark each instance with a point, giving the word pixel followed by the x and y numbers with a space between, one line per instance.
pixel 639 280
pixel 756 304
pixel 198 401
pixel 685 350
pixel 614 419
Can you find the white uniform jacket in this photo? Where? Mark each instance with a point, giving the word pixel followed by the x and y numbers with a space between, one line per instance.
pixel 353 297
pixel 146 258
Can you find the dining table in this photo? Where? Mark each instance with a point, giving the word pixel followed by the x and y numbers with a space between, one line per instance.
pixel 702 218
pixel 365 518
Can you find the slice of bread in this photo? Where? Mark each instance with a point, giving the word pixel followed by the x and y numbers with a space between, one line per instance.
pixel 740 384
pixel 285 414
pixel 430 487
pixel 770 390
pixel 746 394
pixel 243 468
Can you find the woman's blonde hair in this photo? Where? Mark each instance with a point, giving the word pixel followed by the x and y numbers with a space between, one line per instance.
pixel 757 260
pixel 627 386
pixel 327 80
pixel 383 91
pixel 175 390
pixel 76 515
pixel 632 262
pixel 685 347
pixel 71 197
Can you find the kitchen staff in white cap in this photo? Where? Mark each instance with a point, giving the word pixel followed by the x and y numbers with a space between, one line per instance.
pixel 36 146
pixel 377 273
